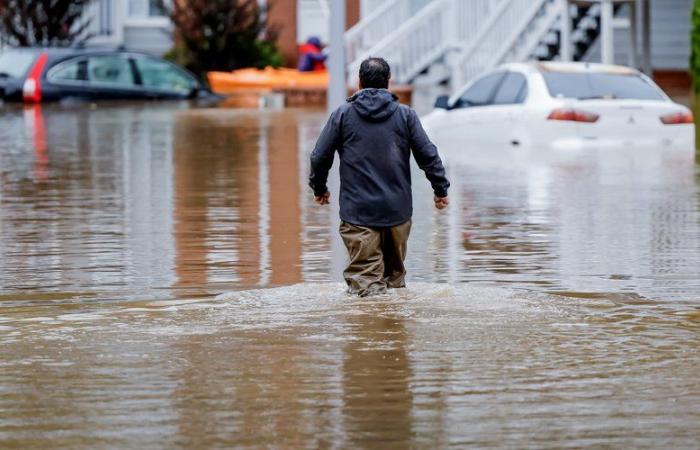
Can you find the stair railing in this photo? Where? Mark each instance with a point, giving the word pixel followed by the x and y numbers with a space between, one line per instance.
pixel 495 39
pixel 413 44
pixel 482 33
pixel 380 23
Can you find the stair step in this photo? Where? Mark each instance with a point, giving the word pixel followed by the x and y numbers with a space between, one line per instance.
pixel 588 22
pixel 551 38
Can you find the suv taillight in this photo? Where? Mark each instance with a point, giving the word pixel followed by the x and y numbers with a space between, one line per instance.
pixel 573 115
pixel 679 118
pixel 31 90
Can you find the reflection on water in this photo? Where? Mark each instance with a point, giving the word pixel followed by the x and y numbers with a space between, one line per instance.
pixel 554 303
pixel 603 222
pixel 143 199
pixel 149 199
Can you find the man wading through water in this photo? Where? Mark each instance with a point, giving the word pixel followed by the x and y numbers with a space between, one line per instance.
pixel 374 136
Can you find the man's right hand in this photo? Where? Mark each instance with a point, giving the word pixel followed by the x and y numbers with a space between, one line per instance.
pixel 324 199
pixel 441 202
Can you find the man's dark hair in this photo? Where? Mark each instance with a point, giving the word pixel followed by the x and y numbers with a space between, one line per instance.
pixel 374 73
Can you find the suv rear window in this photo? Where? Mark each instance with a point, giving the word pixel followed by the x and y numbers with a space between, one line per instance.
pixel 15 64
pixel 600 85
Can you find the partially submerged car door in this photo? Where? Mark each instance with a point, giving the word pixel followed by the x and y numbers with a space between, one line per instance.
pixel 469 118
pixel 113 76
pixel 161 79
pixel 68 79
pixel 506 112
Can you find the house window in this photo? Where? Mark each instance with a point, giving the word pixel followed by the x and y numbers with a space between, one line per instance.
pixel 145 8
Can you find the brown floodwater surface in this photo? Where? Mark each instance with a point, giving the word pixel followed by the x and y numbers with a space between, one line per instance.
pixel 166 281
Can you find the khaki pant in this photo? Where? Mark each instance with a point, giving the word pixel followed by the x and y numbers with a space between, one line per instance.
pixel 376 257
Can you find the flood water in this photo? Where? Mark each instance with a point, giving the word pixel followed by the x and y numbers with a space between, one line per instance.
pixel 166 281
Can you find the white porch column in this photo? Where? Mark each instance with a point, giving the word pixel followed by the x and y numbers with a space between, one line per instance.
pixel 645 10
pixel 565 51
pixel 633 51
pixel 337 87
pixel 606 32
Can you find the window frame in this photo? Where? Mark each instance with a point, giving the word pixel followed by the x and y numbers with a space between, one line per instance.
pixel 522 94
pixel 149 8
pixel 147 21
pixel 100 84
pixel 454 104
pixel 61 65
pixel 196 84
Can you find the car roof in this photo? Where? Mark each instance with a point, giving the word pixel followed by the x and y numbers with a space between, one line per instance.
pixel 570 67
pixel 62 52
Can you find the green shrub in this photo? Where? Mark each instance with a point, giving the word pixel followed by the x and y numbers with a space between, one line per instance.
pixel 695 45
pixel 222 35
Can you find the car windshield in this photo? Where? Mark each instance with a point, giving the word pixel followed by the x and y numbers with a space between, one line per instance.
pixel 15 64
pixel 586 86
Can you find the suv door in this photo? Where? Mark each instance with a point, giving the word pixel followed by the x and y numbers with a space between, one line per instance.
pixel 68 79
pixel 161 79
pixel 113 76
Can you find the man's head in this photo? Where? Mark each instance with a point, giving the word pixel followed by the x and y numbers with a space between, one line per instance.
pixel 374 73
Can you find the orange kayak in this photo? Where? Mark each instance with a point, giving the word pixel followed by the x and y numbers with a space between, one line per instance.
pixel 268 78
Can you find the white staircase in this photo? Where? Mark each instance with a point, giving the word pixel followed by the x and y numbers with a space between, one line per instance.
pixel 377 25
pixel 411 45
pixel 413 34
pixel 471 36
pixel 511 33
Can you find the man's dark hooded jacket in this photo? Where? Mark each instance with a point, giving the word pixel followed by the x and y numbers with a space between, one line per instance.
pixel 374 136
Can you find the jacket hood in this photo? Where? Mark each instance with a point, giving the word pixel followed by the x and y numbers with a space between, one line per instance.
pixel 375 105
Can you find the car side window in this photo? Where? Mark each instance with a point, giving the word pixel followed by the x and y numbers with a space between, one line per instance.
pixel 111 69
pixel 512 90
pixel 481 92
pixel 73 70
pixel 161 75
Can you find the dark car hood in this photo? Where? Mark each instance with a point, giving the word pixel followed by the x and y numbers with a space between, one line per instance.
pixel 375 105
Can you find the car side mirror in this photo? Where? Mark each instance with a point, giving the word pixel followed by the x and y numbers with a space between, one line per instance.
pixel 442 102
pixel 198 91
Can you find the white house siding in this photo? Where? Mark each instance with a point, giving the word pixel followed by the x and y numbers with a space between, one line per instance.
pixel 133 24
pixel 312 20
pixel 670 37
pixel 150 39
pixel 670 34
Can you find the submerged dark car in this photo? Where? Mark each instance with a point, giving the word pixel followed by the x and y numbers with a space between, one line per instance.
pixel 51 74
